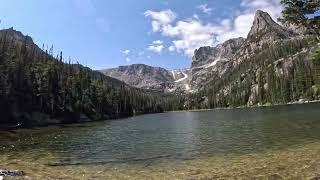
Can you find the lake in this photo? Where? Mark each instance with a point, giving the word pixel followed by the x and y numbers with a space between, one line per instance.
pixel 270 142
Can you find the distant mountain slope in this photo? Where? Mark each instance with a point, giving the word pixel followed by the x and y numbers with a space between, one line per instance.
pixel 142 76
pixel 181 82
pixel 151 78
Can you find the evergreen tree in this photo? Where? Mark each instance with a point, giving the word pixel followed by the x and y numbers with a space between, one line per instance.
pixel 302 13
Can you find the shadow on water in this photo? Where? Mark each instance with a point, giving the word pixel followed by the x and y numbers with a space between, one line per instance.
pixel 169 136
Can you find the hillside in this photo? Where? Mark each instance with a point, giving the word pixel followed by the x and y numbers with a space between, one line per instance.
pixel 38 88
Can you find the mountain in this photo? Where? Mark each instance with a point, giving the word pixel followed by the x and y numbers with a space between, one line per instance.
pixel 271 66
pixel 151 78
pixel 142 76
pixel 237 66
pixel 212 61
pixel 38 88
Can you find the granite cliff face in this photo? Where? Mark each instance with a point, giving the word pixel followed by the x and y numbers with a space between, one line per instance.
pixel 211 61
pixel 265 29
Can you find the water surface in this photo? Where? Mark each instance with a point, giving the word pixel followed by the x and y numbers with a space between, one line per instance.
pixel 161 143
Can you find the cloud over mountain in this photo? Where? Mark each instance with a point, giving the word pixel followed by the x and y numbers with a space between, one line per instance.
pixel 156 46
pixel 189 34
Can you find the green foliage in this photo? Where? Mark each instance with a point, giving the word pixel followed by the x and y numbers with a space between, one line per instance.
pixel 316 62
pixel 302 13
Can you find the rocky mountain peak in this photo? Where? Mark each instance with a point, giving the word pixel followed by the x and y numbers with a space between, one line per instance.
pixel 265 28
pixel 16 36
pixel 262 21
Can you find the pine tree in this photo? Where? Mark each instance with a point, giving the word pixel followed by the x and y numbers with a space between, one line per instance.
pixel 302 13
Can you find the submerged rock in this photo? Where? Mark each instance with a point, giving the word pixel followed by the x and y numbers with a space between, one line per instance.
pixel 12 173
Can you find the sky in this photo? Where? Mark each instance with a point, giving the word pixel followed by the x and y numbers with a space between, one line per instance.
pixel 103 34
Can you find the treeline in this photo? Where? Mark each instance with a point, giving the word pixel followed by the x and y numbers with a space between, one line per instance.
pixel 280 73
pixel 38 88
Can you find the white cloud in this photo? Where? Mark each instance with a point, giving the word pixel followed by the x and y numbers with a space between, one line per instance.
pixel 160 19
pixel 156 46
pixel 171 48
pixel 128 59
pixel 158 42
pixel 190 34
pixel 125 52
pixel 195 16
pixel 205 9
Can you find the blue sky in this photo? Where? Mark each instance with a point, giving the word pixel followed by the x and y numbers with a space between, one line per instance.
pixel 103 34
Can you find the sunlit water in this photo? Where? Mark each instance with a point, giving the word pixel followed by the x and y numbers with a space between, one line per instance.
pixel 262 143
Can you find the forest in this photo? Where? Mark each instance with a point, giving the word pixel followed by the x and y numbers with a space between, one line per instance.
pixel 38 88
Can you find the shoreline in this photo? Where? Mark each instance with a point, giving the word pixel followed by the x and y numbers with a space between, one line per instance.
pixel 3 128
pixel 294 162
pixel 249 107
